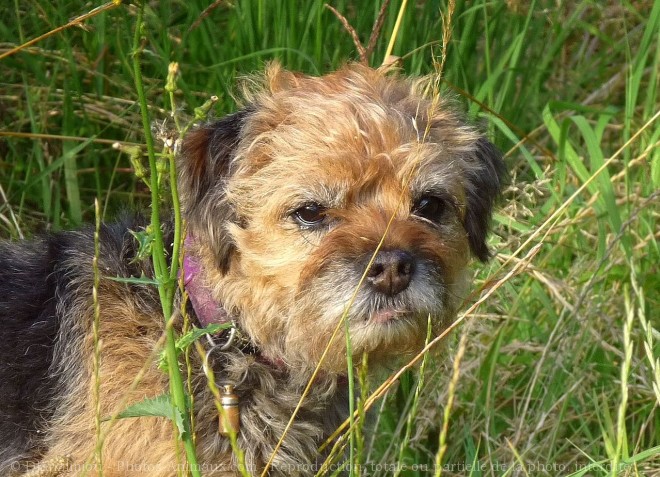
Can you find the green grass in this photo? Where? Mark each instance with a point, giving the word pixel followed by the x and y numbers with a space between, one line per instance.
pixel 559 370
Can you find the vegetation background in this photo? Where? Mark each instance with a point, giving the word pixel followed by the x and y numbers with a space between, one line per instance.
pixel 558 371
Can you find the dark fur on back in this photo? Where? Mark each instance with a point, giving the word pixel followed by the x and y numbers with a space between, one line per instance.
pixel 37 280
pixel 28 327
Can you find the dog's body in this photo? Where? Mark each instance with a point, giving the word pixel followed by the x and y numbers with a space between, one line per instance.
pixel 47 406
pixel 287 202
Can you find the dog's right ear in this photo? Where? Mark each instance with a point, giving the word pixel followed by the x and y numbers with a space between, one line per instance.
pixel 204 166
pixel 485 179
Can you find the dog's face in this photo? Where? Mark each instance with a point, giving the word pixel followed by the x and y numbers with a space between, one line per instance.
pixel 345 195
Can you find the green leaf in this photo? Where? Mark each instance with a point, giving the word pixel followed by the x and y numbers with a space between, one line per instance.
pixel 189 338
pixel 160 406
pixel 196 333
pixel 145 239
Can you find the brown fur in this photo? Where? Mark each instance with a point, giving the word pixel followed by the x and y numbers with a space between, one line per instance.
pixel 367 146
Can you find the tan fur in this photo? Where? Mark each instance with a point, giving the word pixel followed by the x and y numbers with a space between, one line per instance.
pixel 367 146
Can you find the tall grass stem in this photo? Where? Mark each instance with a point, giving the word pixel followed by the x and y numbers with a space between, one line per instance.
pixel 166 283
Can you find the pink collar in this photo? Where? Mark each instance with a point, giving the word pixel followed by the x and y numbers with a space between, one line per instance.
pixel 207 309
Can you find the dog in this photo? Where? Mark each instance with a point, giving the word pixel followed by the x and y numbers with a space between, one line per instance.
pixel 351 196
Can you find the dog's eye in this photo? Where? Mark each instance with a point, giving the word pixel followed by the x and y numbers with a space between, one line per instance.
pixel 309 215
pixel 430 207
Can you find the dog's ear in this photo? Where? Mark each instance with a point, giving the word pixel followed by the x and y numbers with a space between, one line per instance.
pixel 204 166
pixel 485 180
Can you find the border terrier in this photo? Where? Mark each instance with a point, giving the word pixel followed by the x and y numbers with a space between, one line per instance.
pixel 355 188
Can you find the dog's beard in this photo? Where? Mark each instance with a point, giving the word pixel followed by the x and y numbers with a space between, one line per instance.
pixel 426 294
pixel 378 324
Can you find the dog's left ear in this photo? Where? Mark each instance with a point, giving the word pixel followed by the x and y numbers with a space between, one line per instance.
pixel 484 183
pixel 205 164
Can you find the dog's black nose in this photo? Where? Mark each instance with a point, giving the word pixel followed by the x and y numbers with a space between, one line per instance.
pixel 391 271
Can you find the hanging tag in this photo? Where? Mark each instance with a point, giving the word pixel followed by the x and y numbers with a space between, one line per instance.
pixel 230 418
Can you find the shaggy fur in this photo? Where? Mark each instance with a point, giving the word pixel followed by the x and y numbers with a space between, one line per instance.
pixel 286 203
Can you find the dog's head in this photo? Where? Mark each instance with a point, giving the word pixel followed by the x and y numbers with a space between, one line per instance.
pixel 323 181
